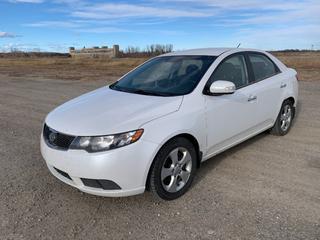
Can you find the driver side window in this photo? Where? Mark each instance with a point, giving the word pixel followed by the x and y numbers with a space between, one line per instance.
pixel 232 69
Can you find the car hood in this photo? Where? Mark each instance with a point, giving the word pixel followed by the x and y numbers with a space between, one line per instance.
pixel 106 111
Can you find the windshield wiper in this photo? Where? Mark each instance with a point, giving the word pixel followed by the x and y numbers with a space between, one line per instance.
pixel 139 91
pixel 144 92
pixel 117 88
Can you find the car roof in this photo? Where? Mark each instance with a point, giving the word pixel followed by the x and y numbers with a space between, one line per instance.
pixel 207 51
pixel 218 51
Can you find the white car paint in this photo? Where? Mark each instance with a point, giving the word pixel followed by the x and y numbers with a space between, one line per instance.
pixel 106 111
pixel 216 122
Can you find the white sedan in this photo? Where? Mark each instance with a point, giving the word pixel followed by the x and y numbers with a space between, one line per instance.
pixel 153 127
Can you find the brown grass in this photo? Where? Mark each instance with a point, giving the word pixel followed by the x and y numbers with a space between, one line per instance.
pixel 67 68
pixel 306 63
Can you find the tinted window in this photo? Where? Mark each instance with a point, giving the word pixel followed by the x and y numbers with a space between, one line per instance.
pixel 262 66
pixel 232 69
pixel 166 76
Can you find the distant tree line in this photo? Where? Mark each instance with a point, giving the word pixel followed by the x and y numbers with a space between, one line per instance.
pixel 296 50
pixel 148 51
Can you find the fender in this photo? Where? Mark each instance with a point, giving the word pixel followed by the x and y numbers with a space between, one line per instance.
pixel 292 85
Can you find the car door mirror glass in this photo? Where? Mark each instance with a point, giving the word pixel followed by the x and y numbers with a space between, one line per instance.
pixel 222 87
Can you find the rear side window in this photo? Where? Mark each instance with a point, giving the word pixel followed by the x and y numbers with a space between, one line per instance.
pixel 262 66
pixel 232 69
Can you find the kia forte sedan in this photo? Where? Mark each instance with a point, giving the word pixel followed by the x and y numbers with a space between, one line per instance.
pixel 153 127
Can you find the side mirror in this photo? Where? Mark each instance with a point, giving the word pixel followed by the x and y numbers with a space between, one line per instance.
pixel 222 87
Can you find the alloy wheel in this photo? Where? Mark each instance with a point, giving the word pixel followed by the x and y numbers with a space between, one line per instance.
pixel 176 170
pixel 285 118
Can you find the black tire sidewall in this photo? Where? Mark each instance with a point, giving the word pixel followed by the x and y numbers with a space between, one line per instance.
pixel 155 177
pixel 279 129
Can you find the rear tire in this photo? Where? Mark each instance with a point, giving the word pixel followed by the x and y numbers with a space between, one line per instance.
pixel 284 119
pixel 173 169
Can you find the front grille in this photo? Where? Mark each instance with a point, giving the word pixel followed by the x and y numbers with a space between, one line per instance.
pixel 56 139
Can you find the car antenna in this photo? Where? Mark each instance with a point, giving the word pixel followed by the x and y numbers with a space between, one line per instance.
pixel 238 45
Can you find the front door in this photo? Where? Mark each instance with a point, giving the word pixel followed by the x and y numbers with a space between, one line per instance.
pixel 230 117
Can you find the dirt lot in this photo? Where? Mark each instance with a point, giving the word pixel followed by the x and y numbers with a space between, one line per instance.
pixel 265 188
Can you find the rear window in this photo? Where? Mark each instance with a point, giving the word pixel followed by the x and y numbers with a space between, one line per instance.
pixel 262 66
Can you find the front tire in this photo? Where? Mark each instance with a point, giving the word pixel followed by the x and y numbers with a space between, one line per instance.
pixel 173 169
pixel 284 119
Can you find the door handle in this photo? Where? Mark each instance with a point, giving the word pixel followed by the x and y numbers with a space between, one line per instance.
pixel 252 98
pixel 283 85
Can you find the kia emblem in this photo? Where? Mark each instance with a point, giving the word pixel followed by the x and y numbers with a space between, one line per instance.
pixel 52 137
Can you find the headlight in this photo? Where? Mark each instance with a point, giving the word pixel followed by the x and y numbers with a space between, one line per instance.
pixel 103 143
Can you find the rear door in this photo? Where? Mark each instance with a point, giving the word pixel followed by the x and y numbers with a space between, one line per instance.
pixel 267 86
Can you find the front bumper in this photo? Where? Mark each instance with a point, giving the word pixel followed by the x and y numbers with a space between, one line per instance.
pixel 128 167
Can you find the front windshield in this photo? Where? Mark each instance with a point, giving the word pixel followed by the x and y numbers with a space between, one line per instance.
pixel 165 76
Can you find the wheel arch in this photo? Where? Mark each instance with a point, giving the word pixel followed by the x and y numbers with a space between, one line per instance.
pixel 286 97
pixel 187 136
pixel 195 143
pixel 292 100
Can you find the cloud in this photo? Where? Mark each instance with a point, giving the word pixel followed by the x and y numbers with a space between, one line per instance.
pixel 8 35
pixel 253 22
pixel 103 30
pixel 255 12
pixel 113 10
pixel 232 5
pixel 61 47
pixel 26 1
pixel 114 18
pixel 279 37
pixel 84 26
pixel 54 24
pixel 10 47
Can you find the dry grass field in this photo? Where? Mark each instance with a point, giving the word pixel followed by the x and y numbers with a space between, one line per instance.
pixel 64 68
pixel 306 63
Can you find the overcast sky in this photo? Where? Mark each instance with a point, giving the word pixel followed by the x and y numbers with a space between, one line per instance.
pixel 57 24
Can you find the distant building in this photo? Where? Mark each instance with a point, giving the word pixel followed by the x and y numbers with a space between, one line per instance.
pixel 95 52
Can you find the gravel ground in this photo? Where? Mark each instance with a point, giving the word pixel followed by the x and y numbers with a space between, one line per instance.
pixel 265 188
